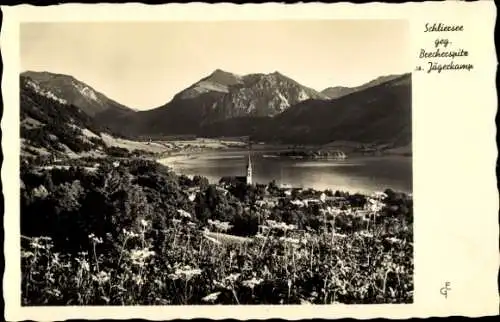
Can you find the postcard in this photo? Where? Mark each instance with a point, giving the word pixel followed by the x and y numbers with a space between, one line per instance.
pixel 250 161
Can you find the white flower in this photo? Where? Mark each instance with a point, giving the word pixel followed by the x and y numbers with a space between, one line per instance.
pixel 101 277
pixel 36 244
pixel 95 239
pixel 252 283
pixel 138 279
pixel 85 266
pixel 144 223
pixel 129 234
pixel 185 273
pixel 26 254
pixel 393 240
pixel 233 277
pixel 54 292
pixel 365 234
pixel 271 223
pixel 55 259
pixel 289 240
pixel 139 256
pixel 211 297
pixel 280 225
pixel 184 213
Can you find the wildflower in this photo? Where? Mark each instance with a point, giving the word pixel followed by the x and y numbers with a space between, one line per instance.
pixel 101 278
pixel 185 273
pixel 252 283
pixel 137 279
pixel 54 292
pixel 365 234
pixel 221 226
pixel 289 240
pixel 233 277
pixel 129 234
pixel 139 256
pixel 94 239
pixel 158 282
pixel 184 213
pixel 55 259
pixel 144 223
pixel 83 264
pixel 393 240
pixel 36 244
pixel 211 297
pixel 271 223
pixel 263 228
pixel 40 192
pixel 281 225
pixel 26 254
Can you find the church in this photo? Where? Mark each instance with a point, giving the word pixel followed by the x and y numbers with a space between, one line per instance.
pixel 248 178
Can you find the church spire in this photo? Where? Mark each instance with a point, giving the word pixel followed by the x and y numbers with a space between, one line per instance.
pixel 249 168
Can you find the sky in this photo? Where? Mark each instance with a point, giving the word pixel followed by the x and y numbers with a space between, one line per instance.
pixel 144 64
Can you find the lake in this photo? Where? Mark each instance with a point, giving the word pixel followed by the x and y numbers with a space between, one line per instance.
pixel 364 174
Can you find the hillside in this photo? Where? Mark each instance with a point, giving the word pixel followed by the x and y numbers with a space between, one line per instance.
pixel 339 91
pixel 52 127
pixel 49 124
pixel 268 107
pixel 378 114
pixel 68 90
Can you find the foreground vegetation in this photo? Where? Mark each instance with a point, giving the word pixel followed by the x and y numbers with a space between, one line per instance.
pixel 133 232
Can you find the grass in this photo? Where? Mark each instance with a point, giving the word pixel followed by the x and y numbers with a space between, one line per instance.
pixel 193 264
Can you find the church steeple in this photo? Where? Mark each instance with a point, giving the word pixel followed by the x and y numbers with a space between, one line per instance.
pixel 249 168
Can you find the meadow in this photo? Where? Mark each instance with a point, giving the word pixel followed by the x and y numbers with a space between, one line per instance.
pixel 133 232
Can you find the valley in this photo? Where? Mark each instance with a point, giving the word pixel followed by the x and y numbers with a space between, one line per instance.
pixel 181 204
pixel 269 108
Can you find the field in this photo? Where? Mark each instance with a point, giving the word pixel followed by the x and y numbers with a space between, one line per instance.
pixel 162 146
pixel 132 235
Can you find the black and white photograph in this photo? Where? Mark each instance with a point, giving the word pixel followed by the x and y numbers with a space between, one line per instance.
pixel 216 162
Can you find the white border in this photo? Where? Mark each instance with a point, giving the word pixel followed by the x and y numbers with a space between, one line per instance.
pixel 455 195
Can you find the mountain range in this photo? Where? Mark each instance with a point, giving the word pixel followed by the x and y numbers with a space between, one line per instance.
pixel 268 107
